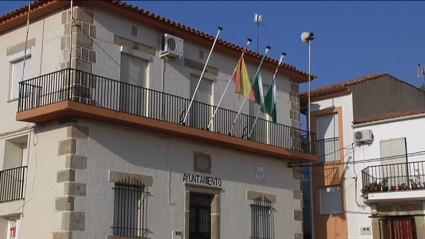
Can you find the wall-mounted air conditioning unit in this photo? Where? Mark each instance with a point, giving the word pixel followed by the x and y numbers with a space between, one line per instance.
pixel 171 46
pixel 363 137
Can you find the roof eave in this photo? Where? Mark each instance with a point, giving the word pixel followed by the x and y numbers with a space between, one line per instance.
pixel 323 95
pixel 41 9
pixel 12 19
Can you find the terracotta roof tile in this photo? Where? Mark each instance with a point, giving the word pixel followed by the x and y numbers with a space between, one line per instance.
pixel 391 116
pixel 343 84
pixel 23 10
pixel 40 3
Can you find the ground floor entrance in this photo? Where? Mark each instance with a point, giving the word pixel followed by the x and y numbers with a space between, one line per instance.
pixel 398 228
pixel 200 216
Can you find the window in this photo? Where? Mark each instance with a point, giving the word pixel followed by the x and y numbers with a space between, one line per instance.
pixel 330 200
pixel 129 211
pixel 17 71
pixel 391 148
pixel 397 228
pixel 15 152
pixel 200 216
pixel 262 219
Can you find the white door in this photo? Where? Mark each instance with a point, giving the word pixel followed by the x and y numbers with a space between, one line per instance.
pixel 261 127
pixel 393 163
pixel 201 111
pixel 133 99
pixel 328 138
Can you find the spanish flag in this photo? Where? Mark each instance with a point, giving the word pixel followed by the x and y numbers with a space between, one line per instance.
pixel 243 82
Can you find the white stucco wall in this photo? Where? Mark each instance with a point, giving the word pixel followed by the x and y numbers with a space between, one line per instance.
pixel 45 58
pixel 38 216
pixel 176 74
pixel 382 130
pixel 166 160
pixel 110 148
pixel 356 212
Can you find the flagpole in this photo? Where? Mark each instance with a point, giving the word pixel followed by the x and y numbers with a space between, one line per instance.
pixel 228 83
pixel 274 78
pixel 243 102
pixel 200 78
pixel 26 39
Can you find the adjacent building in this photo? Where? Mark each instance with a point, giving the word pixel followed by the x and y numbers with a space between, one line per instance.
pixel 369 147
pixel 92 142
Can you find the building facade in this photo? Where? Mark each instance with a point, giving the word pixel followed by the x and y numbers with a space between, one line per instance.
pixel 364 139
pixel 92 139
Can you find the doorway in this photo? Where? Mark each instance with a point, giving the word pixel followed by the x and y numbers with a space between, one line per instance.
pixel 200 216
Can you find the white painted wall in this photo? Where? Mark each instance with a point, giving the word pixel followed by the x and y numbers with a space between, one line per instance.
pixel 166 160
pixel 38 216
pixel 176 75
pixel 45 58
pixel 357 213
pixel 110 148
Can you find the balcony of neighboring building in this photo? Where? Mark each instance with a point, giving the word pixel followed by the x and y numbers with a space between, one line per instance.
pixel 394 182
pixel 72 93
pixel 328 150
pixel 13 173
pixel 12 184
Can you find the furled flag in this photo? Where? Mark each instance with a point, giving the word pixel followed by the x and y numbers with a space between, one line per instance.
pixel 258 86
pixel 270 101
pixel 241 77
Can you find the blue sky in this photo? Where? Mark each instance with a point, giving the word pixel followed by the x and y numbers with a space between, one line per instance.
pixel 353 39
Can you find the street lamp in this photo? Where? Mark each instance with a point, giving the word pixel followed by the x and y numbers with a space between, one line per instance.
pixel 307 37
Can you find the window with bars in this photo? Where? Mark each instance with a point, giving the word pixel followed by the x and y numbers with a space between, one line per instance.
pixel 130 207
pixel 262 219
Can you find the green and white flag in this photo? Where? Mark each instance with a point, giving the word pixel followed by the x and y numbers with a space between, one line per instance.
pixel 270 101
pixel 257 85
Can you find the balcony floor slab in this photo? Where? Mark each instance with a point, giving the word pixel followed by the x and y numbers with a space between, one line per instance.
pixel 396 196
pixel 68 108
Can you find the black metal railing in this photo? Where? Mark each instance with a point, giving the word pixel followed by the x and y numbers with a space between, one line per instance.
pixel 262 219
pixel 87 88
pixel 392 177
pixel 328 150
pixel 12 184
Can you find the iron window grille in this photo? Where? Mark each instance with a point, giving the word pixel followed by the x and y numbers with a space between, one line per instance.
pixel 130 209
pixel 262 219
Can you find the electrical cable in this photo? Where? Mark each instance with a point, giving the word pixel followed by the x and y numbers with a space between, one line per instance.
pixel 379 159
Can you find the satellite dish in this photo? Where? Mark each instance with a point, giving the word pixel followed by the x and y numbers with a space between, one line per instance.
pixel 307 37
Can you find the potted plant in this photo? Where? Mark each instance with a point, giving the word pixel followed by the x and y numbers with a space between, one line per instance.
pixel 384 184
pixel 365 190
pixel 393 188
pixel 415 183
pixel 404 186
pixel 400 187
pixel 376 186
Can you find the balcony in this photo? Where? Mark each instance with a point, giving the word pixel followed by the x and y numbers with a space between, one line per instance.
pixel 328 150
pixel 394 182
pixel 73 93
pixel 12 184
